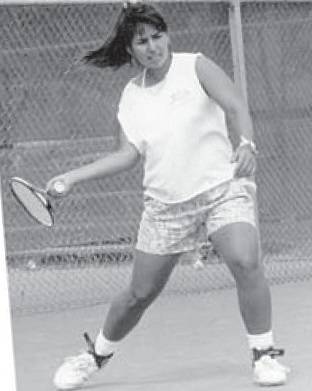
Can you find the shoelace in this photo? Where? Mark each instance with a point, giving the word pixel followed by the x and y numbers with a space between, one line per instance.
pixel 99 360
pixel 271 352
pixel 85 358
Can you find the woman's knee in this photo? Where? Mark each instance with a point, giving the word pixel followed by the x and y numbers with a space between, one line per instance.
pixel 150 275
pixel 244 259
pixel 238 245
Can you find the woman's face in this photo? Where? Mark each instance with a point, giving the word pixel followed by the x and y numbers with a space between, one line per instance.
pixel 150 47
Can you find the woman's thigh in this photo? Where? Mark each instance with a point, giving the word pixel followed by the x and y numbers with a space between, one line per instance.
pixel 238 245
pixel 151 272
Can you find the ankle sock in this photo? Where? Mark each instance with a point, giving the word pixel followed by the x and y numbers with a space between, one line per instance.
pixel 104 346
pixel 260 341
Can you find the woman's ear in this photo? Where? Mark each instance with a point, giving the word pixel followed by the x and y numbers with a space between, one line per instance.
pixel 129 50
pixel 133 59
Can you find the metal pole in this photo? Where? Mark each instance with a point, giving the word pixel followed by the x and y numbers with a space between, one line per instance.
pixel 236 31
pixel 7 369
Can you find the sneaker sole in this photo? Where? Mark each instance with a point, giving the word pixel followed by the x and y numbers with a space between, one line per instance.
pixel 270 384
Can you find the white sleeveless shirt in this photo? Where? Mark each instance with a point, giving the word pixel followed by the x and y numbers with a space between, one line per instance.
pixel 180 131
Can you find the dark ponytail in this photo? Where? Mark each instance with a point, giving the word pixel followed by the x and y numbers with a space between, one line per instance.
pixel 114 53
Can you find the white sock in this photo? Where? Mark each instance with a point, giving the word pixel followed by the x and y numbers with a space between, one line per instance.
pixel 260 341
pixel 104 346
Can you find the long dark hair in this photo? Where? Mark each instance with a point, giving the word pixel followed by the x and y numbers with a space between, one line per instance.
pixel 113 53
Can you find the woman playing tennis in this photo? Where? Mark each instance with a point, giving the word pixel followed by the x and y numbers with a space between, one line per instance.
pixel 173 114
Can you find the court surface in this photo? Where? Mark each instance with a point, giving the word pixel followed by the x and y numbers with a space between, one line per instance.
pixel 184 343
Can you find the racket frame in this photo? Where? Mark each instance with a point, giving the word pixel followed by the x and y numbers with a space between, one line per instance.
pixel 40 194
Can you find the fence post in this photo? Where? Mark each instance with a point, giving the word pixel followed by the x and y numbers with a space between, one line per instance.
pixel 7 368
pixel 237 42
pixel 236 32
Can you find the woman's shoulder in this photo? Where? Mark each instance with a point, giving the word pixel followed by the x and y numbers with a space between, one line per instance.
pixel 200 62
pixel 133 84
pixel 186 56
pixel 130 92
pixel 184 61
pixel 129 86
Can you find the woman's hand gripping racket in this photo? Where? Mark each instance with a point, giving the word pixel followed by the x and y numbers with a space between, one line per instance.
pixel 35 200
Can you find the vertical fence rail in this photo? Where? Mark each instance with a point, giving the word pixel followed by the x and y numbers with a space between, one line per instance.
pixel 7 370
pixel 235 21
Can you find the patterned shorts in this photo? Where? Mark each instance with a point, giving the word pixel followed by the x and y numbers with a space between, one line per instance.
pixel 178 227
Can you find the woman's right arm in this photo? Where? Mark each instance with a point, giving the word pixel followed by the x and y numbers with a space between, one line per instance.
pixel 119 160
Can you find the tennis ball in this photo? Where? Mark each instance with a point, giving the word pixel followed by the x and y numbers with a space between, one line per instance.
pixel 59 187
pixel 31 265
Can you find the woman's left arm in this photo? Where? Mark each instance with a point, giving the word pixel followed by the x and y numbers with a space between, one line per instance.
pixel 223 91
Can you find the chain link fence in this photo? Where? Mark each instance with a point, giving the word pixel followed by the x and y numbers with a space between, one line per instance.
pixel 278 52
pixel 57 114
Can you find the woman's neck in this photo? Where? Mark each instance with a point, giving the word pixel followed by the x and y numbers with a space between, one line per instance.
pixel 153 76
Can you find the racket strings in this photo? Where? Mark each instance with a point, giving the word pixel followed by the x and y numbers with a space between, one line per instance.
pixel 34 202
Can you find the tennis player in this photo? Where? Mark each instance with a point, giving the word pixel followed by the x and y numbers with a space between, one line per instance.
pixel 173 114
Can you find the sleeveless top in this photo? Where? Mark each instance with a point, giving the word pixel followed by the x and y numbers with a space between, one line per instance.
pixel 180 131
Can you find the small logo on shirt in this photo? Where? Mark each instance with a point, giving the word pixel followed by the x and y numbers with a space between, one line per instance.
pixel 179 97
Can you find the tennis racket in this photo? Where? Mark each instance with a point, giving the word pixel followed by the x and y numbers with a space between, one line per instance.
pixel 34 200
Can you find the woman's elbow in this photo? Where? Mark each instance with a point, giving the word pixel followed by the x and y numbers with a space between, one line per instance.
pixel 130 155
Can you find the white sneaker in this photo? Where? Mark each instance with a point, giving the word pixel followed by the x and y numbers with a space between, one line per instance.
pixel 267 370
pixel 76 370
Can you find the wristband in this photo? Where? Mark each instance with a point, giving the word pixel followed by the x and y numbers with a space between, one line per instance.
pixel 244 141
